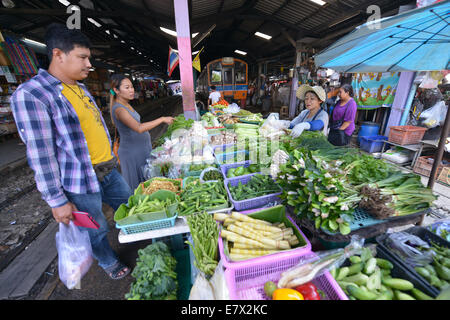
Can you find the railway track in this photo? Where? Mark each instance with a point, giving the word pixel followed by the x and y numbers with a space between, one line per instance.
pixel 17 182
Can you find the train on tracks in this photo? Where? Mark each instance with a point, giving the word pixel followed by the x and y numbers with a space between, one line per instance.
pixel 229 75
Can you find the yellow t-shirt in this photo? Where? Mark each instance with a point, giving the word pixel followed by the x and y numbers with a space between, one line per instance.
pixel 91 124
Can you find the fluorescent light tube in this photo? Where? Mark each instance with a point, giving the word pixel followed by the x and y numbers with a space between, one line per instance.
pixel 240 52
pixel 262 35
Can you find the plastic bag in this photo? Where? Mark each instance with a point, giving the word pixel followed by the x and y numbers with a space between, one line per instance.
pixel 219 284
pixel 428 82
pixel 441 228
pixel 404 245
pixel 202 289
pixel 202 174
pixel 323 261
pixel 434 116
pixel 74 254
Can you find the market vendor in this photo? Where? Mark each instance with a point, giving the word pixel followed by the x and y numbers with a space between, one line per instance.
pixel 135 141
pixel 313 118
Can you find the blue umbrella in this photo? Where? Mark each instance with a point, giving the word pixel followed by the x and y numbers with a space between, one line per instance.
pixel 413 41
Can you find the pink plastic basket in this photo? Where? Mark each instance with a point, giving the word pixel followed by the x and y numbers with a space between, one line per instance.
pixel 247 282
pixel 267 259
pixel 249 203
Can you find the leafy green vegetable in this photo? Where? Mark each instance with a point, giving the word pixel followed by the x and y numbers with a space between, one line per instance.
pixel 155 274
pixel 179 122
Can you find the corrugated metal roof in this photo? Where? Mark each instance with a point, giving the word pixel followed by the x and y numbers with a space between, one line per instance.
pixel 234 26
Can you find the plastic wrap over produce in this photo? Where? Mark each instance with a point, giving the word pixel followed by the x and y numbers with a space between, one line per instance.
pixel 309 269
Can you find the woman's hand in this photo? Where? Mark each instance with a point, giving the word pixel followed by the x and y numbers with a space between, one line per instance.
pixel 168 120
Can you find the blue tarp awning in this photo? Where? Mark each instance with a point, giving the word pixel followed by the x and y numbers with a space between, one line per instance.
pixel 412 41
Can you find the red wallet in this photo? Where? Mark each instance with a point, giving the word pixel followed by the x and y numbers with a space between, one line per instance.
pixel 84 219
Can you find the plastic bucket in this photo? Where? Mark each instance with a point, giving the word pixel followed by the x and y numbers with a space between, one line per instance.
pixel 368 129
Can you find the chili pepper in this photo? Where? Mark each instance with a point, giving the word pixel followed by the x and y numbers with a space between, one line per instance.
pixel 287 294
pixel 309 291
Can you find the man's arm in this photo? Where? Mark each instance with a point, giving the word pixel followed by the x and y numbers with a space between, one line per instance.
pixel 34 126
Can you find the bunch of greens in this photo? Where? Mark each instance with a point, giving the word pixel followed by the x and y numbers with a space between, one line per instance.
pixel 155 274
pixel 398 195
pixel 317 191
pixel 363 168
pixel 205 236
pixel 179 122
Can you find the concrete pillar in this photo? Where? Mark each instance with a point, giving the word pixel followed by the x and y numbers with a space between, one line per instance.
pixel 185 56
pixel 294 85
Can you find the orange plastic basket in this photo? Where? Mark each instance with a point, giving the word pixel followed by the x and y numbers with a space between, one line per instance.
pixel 404 135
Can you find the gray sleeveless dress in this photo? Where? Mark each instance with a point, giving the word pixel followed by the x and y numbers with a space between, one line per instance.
pixel 134 149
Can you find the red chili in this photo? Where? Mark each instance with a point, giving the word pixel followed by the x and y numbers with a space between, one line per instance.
pixel 309 291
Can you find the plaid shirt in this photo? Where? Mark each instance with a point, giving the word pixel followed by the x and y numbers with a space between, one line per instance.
pixel 56 147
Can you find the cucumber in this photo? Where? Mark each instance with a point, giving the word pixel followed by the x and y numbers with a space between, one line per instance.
pixel 384 264
pixel 361 294
pixel 402 296
pixel 397 283
pixel 355 268
pixel 369 268
pixel 359 279
pixel 355 259
pixel 343 272
pixel 385 295
pixel 423 272
pixel 419 295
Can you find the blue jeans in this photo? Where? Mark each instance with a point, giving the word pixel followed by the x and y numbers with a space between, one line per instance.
pixel 113 191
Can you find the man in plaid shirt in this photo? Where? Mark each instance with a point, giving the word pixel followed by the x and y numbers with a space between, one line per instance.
pixel 68 144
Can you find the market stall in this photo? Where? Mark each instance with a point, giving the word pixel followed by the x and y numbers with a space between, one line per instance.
pixel 248 200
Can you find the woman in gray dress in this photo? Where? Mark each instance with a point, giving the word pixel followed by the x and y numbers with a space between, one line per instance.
pixel 135 141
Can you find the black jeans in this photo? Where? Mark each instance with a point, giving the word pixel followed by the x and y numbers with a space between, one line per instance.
pixel 338 137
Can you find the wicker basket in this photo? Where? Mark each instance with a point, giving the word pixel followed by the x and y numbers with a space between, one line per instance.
pixel 425 163
pixel 404 135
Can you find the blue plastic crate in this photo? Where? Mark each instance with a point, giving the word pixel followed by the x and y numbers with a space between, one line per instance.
pixel 372 144
pixel 148 225
pixel 232 157
pixel 361 219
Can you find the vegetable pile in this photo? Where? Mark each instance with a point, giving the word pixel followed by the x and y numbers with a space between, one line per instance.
pixel 317 192
pixel 160 184
pixel 209 120
pixel 198 197
pixel 180 122
pixel 258 186
pixel 212 175
pixel 155 274
pixel 242 170
pixel 369 278
pixel 253 238
pixel 138 205
pixel 437 273
pixel 205 234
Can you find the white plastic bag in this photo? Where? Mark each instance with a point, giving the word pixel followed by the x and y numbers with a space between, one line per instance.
pixel 202 289
pixel 434 116
pixel 219 283
pixel 74 254
pixel 428 82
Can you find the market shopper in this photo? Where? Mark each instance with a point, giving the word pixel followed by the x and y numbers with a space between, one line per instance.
pixel 214 96
pixel 313 118
pixel 135 141
pixel 342 123
pixel 68 144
